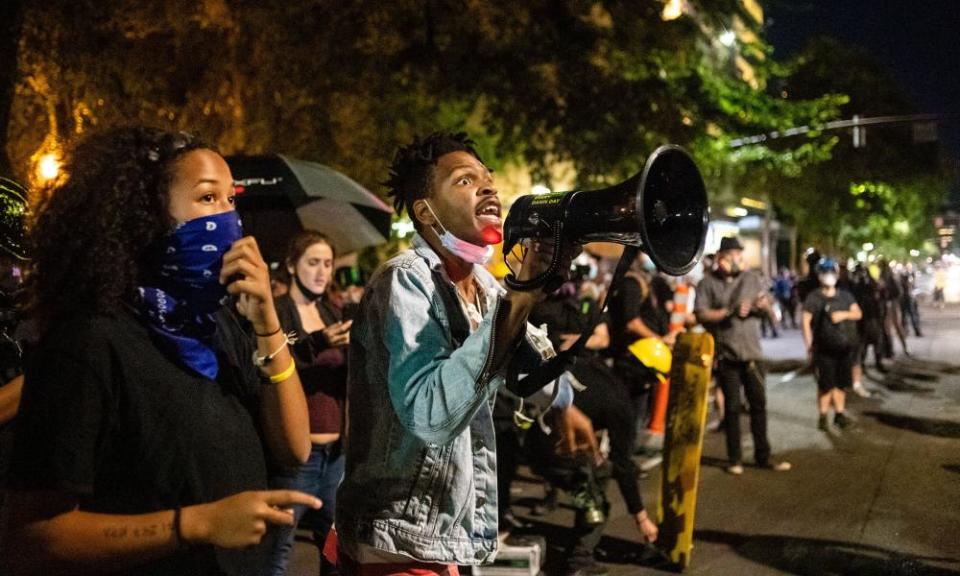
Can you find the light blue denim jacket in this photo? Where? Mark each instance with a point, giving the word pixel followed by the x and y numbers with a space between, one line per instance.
pixel 421 465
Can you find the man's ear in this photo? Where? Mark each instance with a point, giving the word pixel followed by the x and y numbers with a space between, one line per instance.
pixel 423 214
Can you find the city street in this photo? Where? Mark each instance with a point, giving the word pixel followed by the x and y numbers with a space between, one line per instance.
pixel 881 498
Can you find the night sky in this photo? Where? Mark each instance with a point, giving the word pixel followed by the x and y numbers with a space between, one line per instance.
pixel 919 40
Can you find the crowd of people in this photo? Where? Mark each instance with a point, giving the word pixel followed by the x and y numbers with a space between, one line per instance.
pixel 185 408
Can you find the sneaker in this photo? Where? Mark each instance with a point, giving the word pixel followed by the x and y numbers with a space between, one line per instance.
pixel 860 390
pixel 735 469
pixel 650 463
pixel 823 424
pixel 781 466
pixel 842 421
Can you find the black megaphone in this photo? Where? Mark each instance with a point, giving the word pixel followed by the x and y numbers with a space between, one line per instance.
pixel 662 210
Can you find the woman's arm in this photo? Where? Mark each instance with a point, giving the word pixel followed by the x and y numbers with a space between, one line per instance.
pixel 45 532
pixel 10 399
pixel 283 409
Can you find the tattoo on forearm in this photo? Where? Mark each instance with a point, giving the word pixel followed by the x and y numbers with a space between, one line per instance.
pixel 149 531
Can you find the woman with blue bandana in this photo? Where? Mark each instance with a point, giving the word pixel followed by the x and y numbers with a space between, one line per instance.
pixel 151 409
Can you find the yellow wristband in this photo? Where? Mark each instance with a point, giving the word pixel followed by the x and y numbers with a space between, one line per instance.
pixel 278 378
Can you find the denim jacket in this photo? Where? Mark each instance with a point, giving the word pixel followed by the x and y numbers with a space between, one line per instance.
pixel 420 449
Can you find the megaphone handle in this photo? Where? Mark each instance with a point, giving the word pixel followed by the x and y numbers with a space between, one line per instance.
pixel 546 276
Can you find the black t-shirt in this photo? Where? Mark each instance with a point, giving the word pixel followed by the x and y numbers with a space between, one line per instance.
pixel 628 304
pixel 868 298
pixel 565 316
pixel 819 305
pixel 109 418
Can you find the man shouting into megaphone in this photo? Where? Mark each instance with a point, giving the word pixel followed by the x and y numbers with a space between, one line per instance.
pixel 431 344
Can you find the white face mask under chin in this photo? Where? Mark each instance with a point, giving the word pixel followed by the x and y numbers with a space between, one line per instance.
pixel 468 251
pixel 828 280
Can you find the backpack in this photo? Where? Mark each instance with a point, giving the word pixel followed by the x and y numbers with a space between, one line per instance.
pixel 829 337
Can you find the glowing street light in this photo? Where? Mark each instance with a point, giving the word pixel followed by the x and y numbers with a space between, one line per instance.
pixel 867 246
pixel 728 37
pixel 48 168
pixel 672 10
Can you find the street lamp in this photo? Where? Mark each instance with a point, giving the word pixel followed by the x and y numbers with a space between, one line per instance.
pixel 672 10
pixel 48 167
pixel 728 37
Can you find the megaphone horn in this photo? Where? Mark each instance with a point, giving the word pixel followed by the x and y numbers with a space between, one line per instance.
pixel 662 210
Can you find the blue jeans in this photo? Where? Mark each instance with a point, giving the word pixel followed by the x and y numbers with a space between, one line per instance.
pixel 320 477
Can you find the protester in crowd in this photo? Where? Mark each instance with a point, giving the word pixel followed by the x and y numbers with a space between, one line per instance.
pixel 606 402
pixel 830 315
pixel 768 321
pixel 939 285
pixel 635 313
pixel 891 295
pixel 321 355
pixel 729 303
pixel 783 290
pixel 428 351
pixel 709 263
pixel 351 281
pixel 908 302
pixel 870 326
pixel 148 416
pixel 810 282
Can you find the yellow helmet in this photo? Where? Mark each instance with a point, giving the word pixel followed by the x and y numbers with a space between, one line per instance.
pixel 654 354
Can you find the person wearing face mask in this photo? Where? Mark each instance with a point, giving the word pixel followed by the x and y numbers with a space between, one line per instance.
pixel 321 355
pixel 150 409
pixel 429 349
pixel 830 315
pixel 730 302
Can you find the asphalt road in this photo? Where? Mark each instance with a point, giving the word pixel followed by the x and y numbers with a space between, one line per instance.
pixel 881 498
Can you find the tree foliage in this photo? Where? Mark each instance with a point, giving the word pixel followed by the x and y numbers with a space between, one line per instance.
pixel 885 192
pixel 597 84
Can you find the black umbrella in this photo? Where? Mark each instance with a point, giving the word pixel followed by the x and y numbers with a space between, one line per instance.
pixel 278 196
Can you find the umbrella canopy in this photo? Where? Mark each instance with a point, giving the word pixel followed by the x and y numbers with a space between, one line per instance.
pixel 278 196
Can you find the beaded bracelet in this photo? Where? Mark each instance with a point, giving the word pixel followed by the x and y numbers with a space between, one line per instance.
pixel 261 361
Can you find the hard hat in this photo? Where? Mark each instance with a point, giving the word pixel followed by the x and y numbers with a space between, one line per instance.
pixel 654 354
pixel 827 264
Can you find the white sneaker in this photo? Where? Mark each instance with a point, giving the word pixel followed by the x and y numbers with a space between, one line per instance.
pixel 651 462
pixel 860 390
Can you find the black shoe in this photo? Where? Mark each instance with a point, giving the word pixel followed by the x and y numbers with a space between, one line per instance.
pixel 510 522
pixel 822 424
pixel 547 505
pixel 842 421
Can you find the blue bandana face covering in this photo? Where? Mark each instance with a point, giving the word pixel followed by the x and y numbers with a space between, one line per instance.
pixel 179 297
